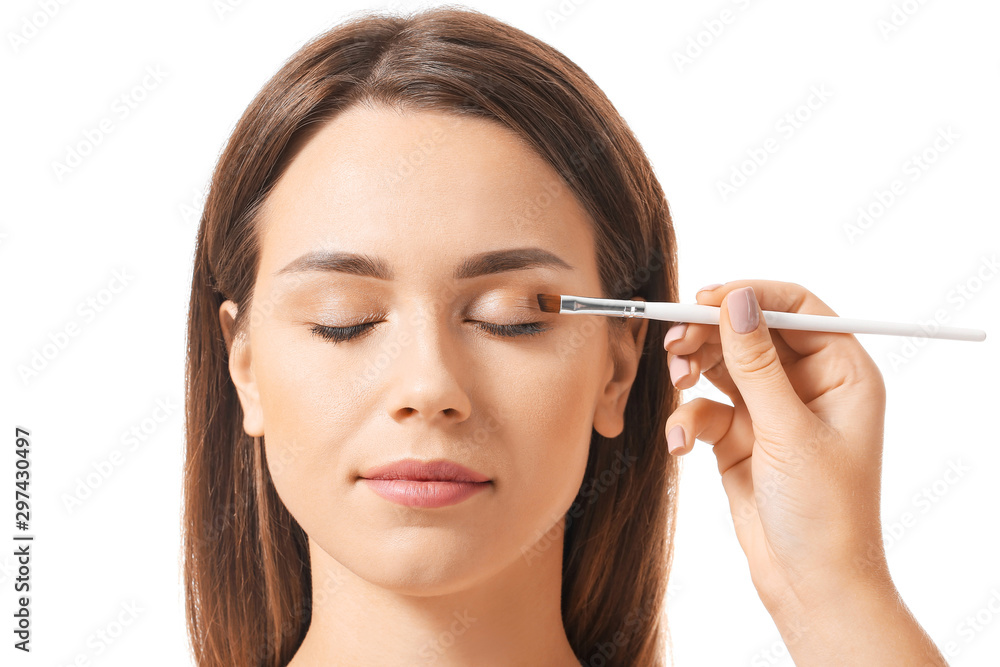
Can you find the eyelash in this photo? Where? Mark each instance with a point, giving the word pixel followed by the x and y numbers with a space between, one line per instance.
pixel 344 334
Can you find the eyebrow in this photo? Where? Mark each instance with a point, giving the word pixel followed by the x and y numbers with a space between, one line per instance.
pixel 370 266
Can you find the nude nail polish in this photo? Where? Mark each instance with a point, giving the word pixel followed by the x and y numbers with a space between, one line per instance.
pixel 679 367
pixel 675 438
pixel 676 332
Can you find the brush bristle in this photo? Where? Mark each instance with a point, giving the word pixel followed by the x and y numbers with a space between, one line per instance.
pixel 549 303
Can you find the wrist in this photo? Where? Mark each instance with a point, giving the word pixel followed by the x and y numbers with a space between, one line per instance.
pixel 859 572
pixel 846 618
pixel 819 599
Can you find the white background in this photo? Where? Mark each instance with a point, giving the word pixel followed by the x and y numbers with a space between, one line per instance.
pixel 133 205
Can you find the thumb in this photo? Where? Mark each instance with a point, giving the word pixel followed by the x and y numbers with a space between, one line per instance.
pixel 777 412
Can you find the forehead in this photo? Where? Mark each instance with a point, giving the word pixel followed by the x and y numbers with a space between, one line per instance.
pixel 421 189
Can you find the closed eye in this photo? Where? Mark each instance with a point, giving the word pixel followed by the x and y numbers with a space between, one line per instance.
pixel 344 334
pixel 341 334
pixel 512 330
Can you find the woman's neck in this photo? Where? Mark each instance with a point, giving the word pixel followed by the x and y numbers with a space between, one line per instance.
pixel 509 617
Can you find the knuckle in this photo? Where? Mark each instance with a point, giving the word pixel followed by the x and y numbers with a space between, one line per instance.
pixel 716 370
pixel 856 367
pixel 871 376
pixel 700 404
pixel 879 382
pixel 679 413
pixel 793 296
pixel 796 288
pixel 789 297
pixel 689 413
pixel 756 356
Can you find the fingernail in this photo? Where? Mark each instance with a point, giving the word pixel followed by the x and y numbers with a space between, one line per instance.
pixel 708 287
pixel 743 310
pixel 675 438
pixel 676 332
pixel 679 368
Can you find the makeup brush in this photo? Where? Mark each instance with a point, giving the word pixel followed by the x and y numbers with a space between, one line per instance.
pixel 700 314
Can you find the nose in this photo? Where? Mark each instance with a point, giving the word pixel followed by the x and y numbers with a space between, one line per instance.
pixel 428 378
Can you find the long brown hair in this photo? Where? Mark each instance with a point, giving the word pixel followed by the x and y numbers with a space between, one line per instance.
pixel 246 559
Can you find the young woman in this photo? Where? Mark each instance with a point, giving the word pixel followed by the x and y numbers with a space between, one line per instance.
pixel 395 458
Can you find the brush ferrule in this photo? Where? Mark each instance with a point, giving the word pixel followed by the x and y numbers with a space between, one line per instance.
pixel 617 307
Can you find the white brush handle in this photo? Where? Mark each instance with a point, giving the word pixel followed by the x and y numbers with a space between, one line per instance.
pixel 699 314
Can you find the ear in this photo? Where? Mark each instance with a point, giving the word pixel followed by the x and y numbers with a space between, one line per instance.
pixel 241 371
pixel 609 417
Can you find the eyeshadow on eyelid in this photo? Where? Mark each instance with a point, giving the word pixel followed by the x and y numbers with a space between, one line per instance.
pixel 510 302
pixel 526 302
pixel 333 301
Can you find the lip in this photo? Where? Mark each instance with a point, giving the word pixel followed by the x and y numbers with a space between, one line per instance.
pixel 440 470
pixel 427 484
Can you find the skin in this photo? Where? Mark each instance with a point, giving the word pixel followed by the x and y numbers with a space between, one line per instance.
pixel 800 454
pixel 477 582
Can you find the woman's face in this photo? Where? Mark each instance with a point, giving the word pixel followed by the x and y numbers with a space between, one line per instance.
pixel 423 197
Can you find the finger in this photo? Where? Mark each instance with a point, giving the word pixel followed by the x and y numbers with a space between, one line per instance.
pixel 779 415
pixel 701 419
pixel 707 361
pixel 787 298
pixel 738 483
pixel 687 337
pixel 823 374
pixel 718 424
pixel 715 371
pixel 684 338
pixel 828 373
pixel 811 376
pixel 726 428
pixel 681 371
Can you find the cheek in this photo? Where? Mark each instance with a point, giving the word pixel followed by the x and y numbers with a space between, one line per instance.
pixel 309 411
pixel 552 409
pixel 302 387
